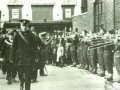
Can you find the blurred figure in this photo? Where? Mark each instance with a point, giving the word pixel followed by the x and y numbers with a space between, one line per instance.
pixel 5 55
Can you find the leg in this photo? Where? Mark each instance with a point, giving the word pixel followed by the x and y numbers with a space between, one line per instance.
pixel 27 77
pixel 21 76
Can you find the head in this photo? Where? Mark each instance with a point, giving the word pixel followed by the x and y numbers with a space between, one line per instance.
pixel 84 33
pixel 24 25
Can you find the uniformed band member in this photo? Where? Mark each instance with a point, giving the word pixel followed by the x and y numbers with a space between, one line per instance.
pixel 107 57
pixel 117 56
pixel 100 56
pixel 42 42
pixel 24 51
pixel 5 55
pixel 73 49
pixel 2 39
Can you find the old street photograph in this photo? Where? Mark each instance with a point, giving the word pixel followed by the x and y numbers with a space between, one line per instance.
pixel 59 44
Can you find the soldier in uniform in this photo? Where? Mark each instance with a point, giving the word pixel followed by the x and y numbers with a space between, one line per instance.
pixel 24 48
pixel 117 56
pixel 42 42
pixel 100 51
pixel 35 63
pixel 85 49
pixel 5 55
pixel 2 39
pixel 73 49
pixel 108 59
pixel 93 55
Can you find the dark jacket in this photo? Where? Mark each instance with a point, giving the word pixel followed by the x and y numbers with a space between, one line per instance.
pixel 24 53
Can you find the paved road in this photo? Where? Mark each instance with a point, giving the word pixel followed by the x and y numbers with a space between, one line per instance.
pixel 65 78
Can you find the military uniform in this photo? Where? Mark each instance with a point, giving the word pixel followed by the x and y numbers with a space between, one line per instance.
pixel 73 50
pixel 117 58
pixel 108 61
pixel 85 52
pixel 5 54
pixel 26 53
pixel 101 61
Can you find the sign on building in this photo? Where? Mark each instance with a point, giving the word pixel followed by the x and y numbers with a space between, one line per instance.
pixel 15 13
pixel 67 13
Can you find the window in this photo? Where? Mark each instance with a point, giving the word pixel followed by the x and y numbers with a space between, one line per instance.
pixel 83 6
pixel 98 15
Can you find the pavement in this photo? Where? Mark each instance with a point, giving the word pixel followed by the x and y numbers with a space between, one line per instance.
pixel 66 78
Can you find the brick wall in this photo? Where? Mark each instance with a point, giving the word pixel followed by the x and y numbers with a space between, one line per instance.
pixel 86 21
pixel 117 14
pixel 108 14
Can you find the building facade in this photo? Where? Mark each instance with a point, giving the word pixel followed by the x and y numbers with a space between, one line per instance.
pixel 99 14
pixel 38 10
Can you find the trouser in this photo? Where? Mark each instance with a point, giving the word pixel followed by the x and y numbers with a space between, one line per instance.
pixel 85 57
pixel 41 70
pixel 4 67
pixel 34 74
pixel 9 71
pixel 73 54
pixel 101 62
pixel 89 60
pixel 78 55
pixel 24 73
pixel 108 61
pixel 117 62
pixel 93 59
pixel 81 57
pixel 14 71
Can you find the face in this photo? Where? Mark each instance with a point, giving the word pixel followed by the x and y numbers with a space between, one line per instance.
pixel 24 27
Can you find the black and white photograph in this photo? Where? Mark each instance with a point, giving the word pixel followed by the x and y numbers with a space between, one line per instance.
pixel 59 44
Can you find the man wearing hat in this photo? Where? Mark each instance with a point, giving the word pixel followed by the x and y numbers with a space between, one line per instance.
pixel 5 55
pixel 24 52
pixel 43 41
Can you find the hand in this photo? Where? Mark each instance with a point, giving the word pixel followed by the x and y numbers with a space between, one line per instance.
pixel 1 59
pixel 36 60
pixel 11 61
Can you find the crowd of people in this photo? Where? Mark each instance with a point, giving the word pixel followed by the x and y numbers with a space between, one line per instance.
pixel 25 51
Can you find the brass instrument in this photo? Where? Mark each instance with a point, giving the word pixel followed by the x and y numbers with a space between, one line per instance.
pixel 102 42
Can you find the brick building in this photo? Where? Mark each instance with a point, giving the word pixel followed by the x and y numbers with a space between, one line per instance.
pixel 99 14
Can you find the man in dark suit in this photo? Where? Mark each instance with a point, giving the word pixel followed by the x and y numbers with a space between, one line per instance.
pixel 24 51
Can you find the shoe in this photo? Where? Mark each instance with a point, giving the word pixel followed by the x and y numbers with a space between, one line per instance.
pixel 9 82
pixel 21 87
pixel 35 80
pixel 86 68
pixel 94 72
pixel 14 80
pixel 83 66
pixel 4 72
pixel 73 65
pixel 101 74
pixel 118 81
pixel 43 75
pixel 109 78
